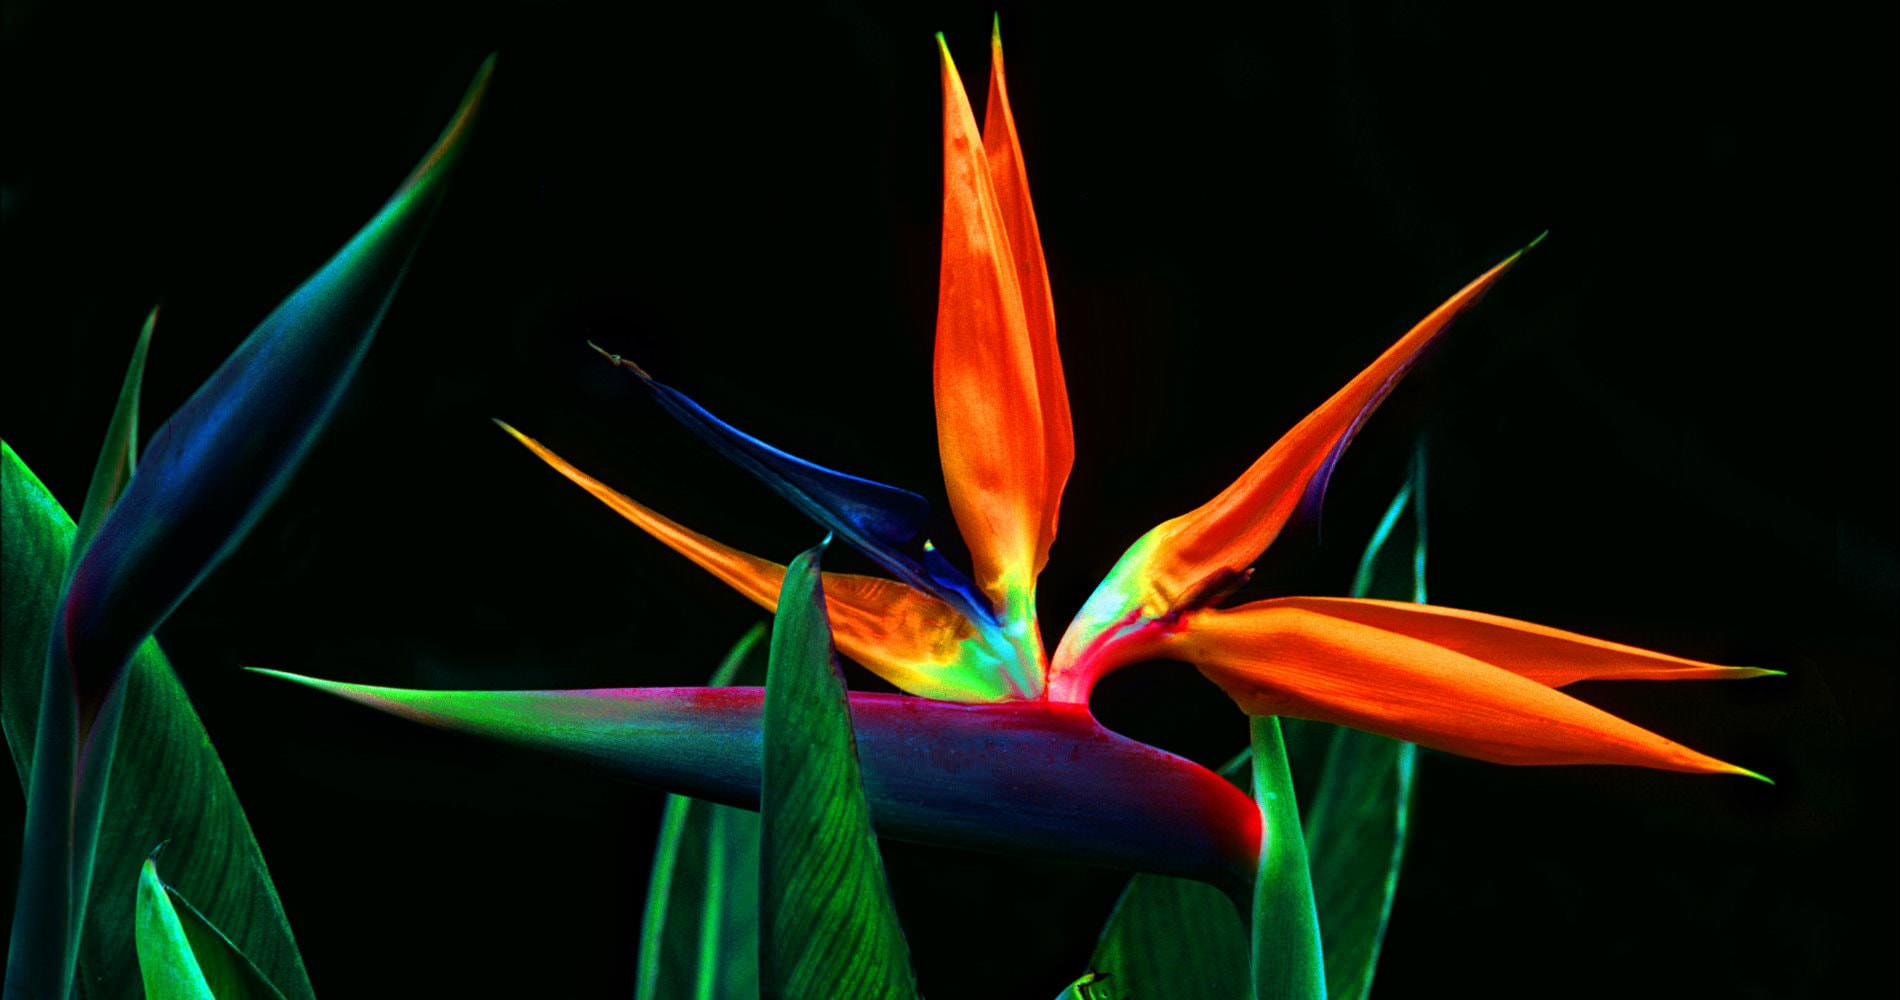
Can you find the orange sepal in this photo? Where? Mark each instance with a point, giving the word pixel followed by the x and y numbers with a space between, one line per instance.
pixel 915 641
pixel 991 423
pixel 1195 559
pixel 1551 657
pixel 1277 659
pixel 1225 535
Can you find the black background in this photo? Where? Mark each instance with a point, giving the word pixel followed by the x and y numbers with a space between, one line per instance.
pixel 1673 425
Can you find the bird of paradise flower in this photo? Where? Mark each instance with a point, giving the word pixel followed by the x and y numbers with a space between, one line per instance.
pixel 993 745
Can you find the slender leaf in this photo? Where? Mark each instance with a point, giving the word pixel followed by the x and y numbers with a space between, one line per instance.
pixel 700 936
pixel 118 455
pixel 167 782
pixel 208 474
pixel 1356 823
pixel 828 926
pixel 166 962
pixel 1288 963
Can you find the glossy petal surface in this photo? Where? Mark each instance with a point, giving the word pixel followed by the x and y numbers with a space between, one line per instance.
pixel 1198 557
pixel 902 634
pixel 1278 659
pixel 888 524
pixel 993 432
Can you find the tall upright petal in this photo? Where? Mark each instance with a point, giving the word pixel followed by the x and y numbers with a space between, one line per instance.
pixel 1276 658
pixel 904 635
pixel 1010 180
pixel 991 420
pixel 1202 555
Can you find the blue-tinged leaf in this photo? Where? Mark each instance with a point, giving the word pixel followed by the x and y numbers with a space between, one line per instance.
pixel 700 935
pixel 888 524
pixel 828 926
pixel 209 472
pixel 1288 963
pixel 166 780
pixel 214 467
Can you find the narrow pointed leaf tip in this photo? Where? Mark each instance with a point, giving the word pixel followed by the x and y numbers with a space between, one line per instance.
pixel 1198 557
pixel 118 456
pixel 169 968
pixel 905 635
pixel 888 524
pixel 225 455
pixel 1003 425
pixel 1293 657
pixel 828 927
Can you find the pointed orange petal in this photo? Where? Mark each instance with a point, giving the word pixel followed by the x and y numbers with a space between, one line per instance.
pixel 1010 180
pixel 1275 659
pixel 1549 656
pixel 903 635
pixel 1195 558
pixel 990 424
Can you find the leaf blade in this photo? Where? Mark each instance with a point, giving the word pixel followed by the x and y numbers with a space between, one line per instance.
pixel 213 854
pixel 702 893
pixel 828 927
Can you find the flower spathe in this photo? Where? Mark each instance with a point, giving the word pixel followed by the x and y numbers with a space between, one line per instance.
pixel 1472 684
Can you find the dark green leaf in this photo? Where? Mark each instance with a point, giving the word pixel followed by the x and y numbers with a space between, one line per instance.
pixel 1173 937
pixel 119 453
pixel 700 936
pixel 828 926
pixel 1287 959
pixel 1355 825
pixel 213 857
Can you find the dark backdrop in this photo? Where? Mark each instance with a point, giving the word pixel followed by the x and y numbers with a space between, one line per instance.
pixel 1673 425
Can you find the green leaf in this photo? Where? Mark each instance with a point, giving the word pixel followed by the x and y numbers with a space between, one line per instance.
pixel 700 936
pixel 213 857
pixel 829 927
pixel 1287 959
pixel 1173 937
pixel 117 456
pixel 166 962
pixel 1096 986
pixel 1356 823
pixel 208 474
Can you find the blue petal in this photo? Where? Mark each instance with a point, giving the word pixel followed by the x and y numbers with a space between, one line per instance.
pixel 883 522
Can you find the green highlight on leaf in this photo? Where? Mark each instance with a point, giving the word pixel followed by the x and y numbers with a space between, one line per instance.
pixel 213 856
pixel 166 962
pixel 207 956
pixel 1356 823
pixel 699 938
pixel 1288 963
pixel 829 927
